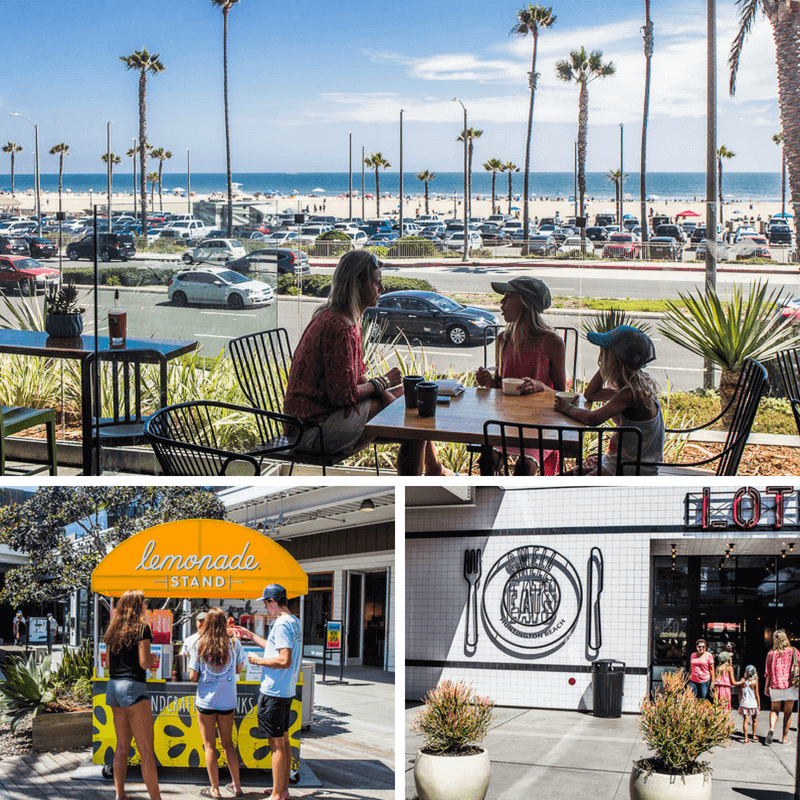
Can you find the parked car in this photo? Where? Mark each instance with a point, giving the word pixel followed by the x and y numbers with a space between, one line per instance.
pixel 780 234
pixel 675 231
pixel 665 247
pixel 41 247
pixel 722 251
pixel 456 241
pixel 573 243
pixel 220 250
pixel 217 286
pixel 382 240
pixel 188 229
pixel 541 244
pixel 17 228
pixel 14 245
pixel 282 237
pixel 417 314
pixel 752 247
pixel 596 234
pixel 621 245
pixel 110 245
pixel 288 262
pixel 25 274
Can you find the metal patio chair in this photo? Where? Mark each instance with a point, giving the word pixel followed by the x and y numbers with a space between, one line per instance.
pixel 17 419
pixel 789 365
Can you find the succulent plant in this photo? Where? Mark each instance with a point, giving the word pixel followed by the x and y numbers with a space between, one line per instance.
pixel 63 300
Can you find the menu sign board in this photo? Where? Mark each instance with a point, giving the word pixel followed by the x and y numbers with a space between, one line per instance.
pixel 162 626
pixel 333 636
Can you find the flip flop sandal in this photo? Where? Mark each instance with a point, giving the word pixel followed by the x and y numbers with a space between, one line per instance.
pixel 209 792
pixel 232 789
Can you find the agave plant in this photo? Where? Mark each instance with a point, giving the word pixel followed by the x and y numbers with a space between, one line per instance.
pixel 27 688
pixel 606 321
pixel 76 664
pixel 747 325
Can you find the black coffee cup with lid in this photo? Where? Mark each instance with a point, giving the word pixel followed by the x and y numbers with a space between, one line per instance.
pixel 427 392
pixel 410 389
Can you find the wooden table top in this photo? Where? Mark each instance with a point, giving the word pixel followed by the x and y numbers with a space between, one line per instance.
pixel 461 420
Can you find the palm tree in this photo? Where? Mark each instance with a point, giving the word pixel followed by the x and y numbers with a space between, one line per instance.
pixel 153 178
pixel 778 139
pixel 471 134
pixel 115 159
pixel 376 161
pixel 162 155
pixel 60 150
pixel 225 6
pixel 785 19
pixel 648 58
pixel 13 148
pixel 493 165
pixel 583 68
pixel 426 176
pixel 143 62
pixel 510 167
pixel 613 176
pixel 722 152
pixel 529 20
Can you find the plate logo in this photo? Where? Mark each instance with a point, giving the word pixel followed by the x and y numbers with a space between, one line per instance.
pixel 532 598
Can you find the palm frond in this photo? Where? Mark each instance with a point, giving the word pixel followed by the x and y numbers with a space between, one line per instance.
pixel 747 15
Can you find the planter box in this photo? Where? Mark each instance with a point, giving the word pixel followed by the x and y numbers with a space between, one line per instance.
pixel 61 730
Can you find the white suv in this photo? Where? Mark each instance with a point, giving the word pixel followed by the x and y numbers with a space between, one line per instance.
pixel 217 286
pixel 219 250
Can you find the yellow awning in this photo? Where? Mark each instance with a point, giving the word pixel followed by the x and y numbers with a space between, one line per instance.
pixel 198 558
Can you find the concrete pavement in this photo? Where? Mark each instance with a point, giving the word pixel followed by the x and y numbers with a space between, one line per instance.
pixel 566 754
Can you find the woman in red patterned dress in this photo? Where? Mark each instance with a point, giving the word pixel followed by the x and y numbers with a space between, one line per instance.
pixel 328 384
pixel 529 349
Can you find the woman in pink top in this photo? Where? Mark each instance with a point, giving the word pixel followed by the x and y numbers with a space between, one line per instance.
pixel 328 387
pixel 782 662
pixel 702 670
pixel 529 349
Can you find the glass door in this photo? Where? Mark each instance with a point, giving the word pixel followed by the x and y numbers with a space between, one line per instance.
pixel 355 617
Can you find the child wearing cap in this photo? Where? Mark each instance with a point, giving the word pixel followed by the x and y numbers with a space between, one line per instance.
pixel 630 395
pixel 528 349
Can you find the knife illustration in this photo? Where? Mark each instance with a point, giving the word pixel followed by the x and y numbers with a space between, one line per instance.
pixel 594 631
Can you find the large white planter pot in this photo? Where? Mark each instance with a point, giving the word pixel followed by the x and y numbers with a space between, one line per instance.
pixel 659 786
pixel 452 777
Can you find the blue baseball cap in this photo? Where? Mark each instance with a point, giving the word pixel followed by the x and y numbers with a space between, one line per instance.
pixel 273 592
pixel 632 347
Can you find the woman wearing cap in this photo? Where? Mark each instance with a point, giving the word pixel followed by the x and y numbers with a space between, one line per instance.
pixel 783 662
pixel 528 349
pixel 214 666
pixel 629 394
pixel 328 386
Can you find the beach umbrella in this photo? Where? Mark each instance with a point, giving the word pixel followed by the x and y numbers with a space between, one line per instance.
pixel 515 208
pixel 317 190
pixel 784 215
pixel 689 213
pixel 654 197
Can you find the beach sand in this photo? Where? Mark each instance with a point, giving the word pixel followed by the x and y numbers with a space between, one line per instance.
pixel 75 203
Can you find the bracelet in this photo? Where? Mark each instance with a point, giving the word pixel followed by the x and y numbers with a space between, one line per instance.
pixel 380 384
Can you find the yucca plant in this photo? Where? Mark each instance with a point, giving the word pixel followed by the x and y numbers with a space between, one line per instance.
pixel 679 728
pixel 76 664
pixel 27 688
pixel 607 320
pixel 747 325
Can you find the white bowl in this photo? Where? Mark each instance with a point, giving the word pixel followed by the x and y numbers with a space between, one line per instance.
pixel 512 385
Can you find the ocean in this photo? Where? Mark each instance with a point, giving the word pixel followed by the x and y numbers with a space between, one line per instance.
pixel 741 186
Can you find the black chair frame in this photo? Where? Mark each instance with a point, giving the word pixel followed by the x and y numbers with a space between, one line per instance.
pixel 789 365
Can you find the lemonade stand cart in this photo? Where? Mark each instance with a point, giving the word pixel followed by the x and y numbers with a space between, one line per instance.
pixel 204 559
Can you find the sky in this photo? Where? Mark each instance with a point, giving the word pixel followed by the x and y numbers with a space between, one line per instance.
pixel 303 74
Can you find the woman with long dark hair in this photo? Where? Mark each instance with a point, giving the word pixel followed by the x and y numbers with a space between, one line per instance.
pixel 128 640
pixel 214 665
pixel 328 385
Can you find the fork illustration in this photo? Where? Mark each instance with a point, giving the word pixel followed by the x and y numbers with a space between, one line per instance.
pixel 472 574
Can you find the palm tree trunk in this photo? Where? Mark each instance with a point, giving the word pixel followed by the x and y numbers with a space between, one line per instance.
pixel 527 178
pixel 227 125
pixel 787 47
pixel 12 173
pixel 377 193
pixel 648 57
pixel 60 175
pixel 426 197
pixel 583 125
pixel 783 183
pixel 468 198
pixel 494 176
pixel 509 193
pixel 160 199
pixel 143 147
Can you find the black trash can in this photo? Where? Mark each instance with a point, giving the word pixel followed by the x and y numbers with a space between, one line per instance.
pixel 607 685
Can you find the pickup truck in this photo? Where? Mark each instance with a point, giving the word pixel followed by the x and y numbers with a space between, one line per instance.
pixel 188 229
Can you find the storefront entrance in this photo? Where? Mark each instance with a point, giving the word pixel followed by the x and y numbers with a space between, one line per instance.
pixel 735 603
pixel 366 617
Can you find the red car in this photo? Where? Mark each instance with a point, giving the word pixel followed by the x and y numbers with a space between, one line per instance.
pixel 25 274
pixel 621 245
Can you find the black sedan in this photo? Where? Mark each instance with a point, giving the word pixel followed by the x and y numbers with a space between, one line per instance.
pixel 14 246
pixel 418 315
pixel 41 247
pixel 288 261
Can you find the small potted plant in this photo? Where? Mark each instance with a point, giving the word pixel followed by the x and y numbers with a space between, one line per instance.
pixel 679 728
pixel 451 766
pixel 63 314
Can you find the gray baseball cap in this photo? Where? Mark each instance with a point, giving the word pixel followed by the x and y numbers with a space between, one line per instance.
pixel 273 592
pixel 532 289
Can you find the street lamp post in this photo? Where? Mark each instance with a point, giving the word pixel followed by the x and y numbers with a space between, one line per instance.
pixel 108 156
pixel 362 183
pixel 466 212
pixel 37 186
pixel 350 176
pixel 621 180
pixel 188 182
pixel 711 166
pixel 401 173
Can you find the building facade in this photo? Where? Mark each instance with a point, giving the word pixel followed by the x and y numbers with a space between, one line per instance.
pixel 522 591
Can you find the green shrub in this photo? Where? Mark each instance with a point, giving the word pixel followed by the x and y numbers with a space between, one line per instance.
pixel 76 664
pixel 394 283
pixel 320 285
pixel 121 276
pixel 27 689
pixel 411 246
pixel 333 236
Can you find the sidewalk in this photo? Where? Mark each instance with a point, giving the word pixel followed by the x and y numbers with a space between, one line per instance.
pixel 565 755
pixel 350 749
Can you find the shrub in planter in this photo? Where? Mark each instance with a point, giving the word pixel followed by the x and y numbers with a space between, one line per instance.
pixel 63 313
pixel 451 765
pixel 679 728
